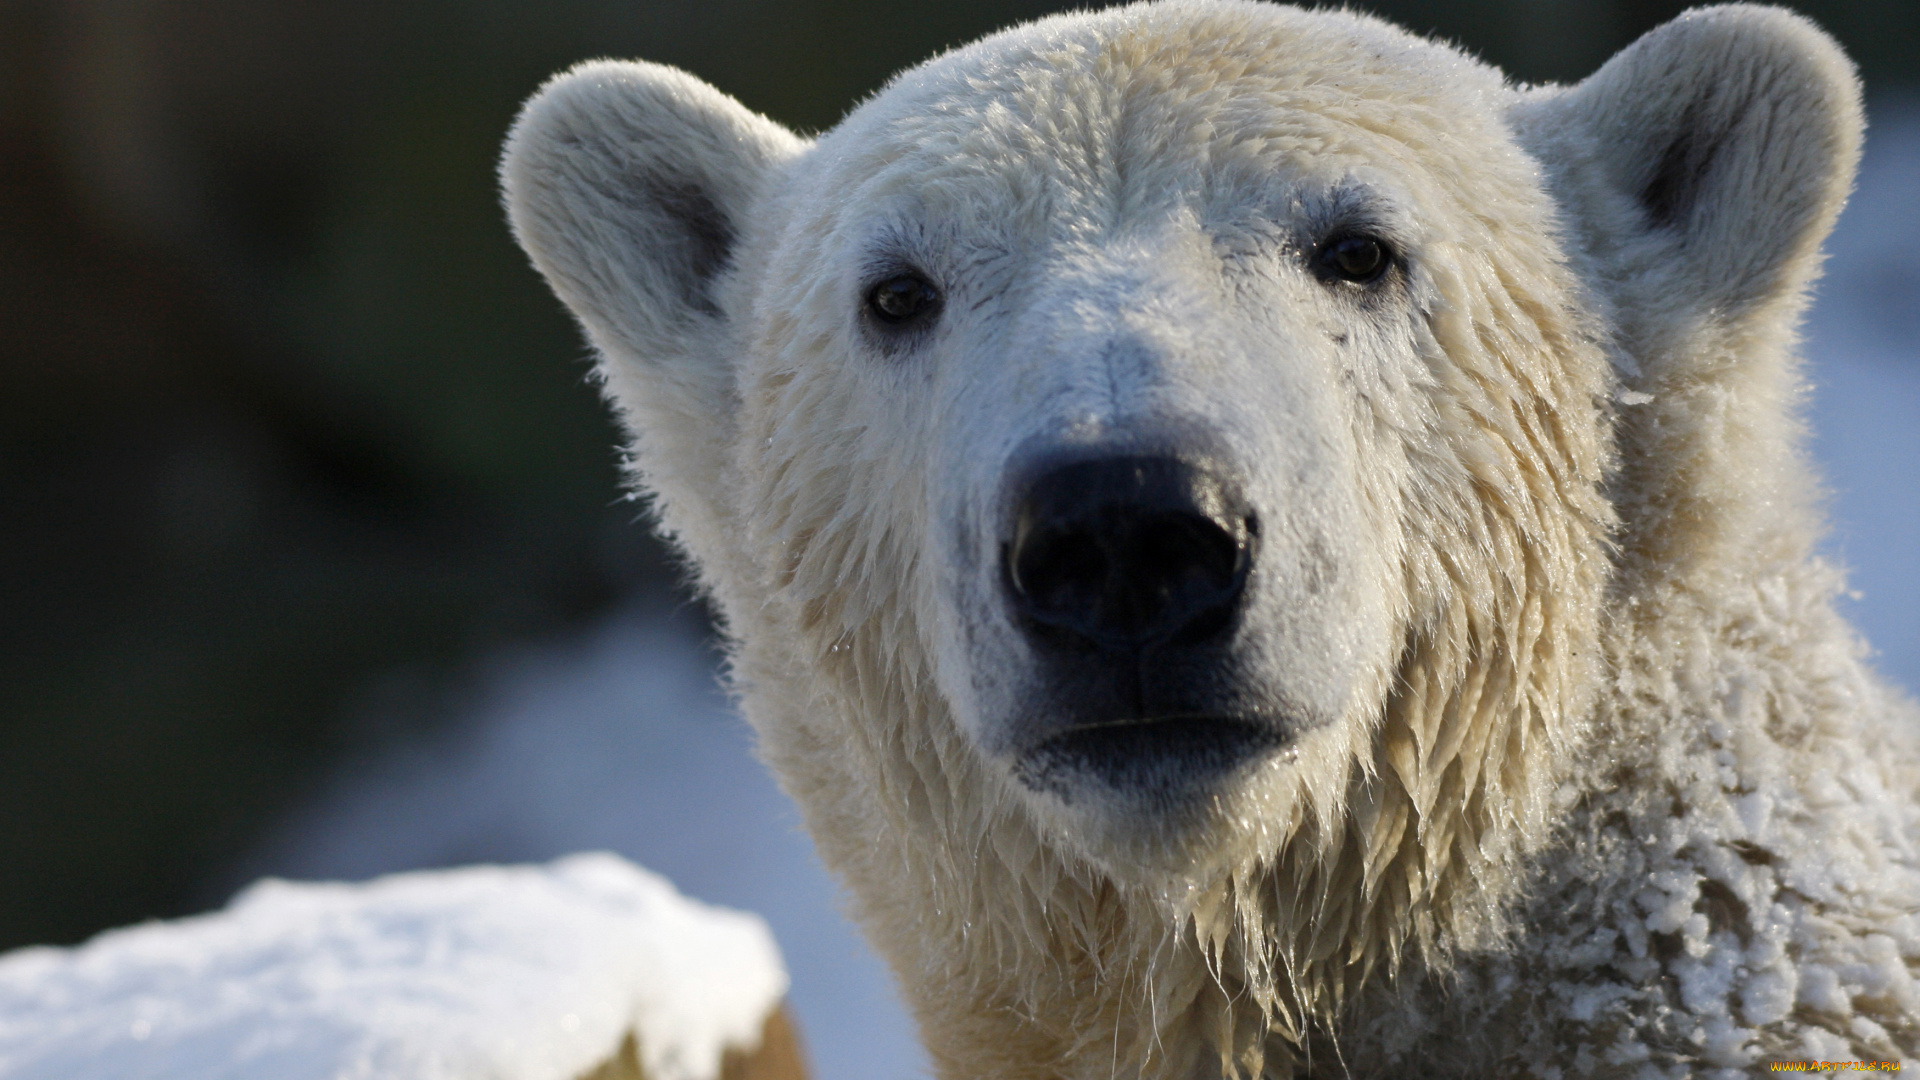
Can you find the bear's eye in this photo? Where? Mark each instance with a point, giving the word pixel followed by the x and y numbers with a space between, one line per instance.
pixel 902 299
pixel 1354 258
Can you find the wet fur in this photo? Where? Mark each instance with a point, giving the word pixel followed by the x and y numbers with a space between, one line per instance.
pixel 1606 640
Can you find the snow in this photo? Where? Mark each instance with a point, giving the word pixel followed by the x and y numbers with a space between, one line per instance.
pixel 619 739
pixel 516 973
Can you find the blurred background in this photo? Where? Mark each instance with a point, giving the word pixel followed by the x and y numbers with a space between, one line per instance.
pixel 313 559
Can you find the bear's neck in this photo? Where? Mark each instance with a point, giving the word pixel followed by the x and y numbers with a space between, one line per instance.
pixel 1031 963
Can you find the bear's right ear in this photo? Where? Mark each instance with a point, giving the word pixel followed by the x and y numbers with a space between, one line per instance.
pixel 629 185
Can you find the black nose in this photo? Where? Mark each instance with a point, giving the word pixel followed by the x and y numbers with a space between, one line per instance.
pixel 1124 553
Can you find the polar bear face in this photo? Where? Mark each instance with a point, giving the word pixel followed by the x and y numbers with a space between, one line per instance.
pixel 1167 472
pixel 1128 345
pixel 1139 364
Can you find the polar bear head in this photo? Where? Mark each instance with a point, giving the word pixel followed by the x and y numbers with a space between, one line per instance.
pixel 1158 466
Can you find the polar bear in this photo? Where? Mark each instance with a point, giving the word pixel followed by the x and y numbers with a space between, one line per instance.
pixel 1262 548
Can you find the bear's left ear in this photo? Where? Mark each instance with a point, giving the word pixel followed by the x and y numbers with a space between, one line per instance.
pixel 1697 174
pixel 1703 165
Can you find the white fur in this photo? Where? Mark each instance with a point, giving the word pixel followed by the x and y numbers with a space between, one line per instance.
pixel 1596 782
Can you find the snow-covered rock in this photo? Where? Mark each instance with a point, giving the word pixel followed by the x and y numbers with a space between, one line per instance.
pixel 619 739
pixel 484 973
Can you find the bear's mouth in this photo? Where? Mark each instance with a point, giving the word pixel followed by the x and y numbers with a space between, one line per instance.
pixel 1160 759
